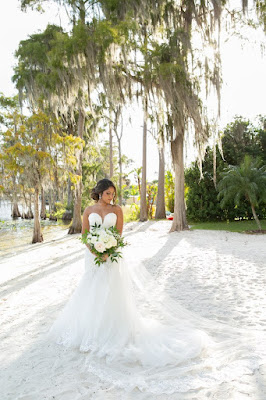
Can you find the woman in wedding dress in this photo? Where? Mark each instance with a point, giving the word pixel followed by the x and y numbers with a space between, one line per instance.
pixel 134 334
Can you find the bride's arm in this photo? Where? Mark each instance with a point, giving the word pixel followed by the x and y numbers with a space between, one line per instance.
pixel 86 224
pixel 85 221
pixel 120 219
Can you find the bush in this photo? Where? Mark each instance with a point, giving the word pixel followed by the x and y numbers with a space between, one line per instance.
pixel 239 138
pixel 169 191
pixel 201 202
pixel 60 209
pixel 131 213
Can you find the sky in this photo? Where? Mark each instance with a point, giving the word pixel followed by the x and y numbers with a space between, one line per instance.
pixel 244 75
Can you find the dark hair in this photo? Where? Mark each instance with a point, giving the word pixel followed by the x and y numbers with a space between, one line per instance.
pixel 101 186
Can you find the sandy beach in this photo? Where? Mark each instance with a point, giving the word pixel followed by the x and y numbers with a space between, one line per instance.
pixel 217 274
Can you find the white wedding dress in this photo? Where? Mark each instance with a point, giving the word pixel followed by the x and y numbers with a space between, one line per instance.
pixel 135 335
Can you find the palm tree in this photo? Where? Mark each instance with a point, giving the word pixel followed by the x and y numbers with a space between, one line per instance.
pixel 246 181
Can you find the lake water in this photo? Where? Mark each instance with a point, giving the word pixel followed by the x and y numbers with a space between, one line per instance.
pixel 16 234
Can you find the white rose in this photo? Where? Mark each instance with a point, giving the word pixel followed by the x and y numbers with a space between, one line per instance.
pixel 112 242
pixel 109 244
pixel 93 239
pixel 103 237
pixel 99 246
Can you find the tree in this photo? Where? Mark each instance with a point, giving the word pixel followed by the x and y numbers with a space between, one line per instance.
pixel 143 189
pixel 171 39
pixel 117 113
pixel 201 202
pixel 30 150
pixel 45 75
pixel 239 138
pixel 160 198
pixel 31 156
pixel 246 181
pixel 10 118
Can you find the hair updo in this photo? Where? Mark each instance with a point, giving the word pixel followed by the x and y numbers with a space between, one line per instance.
pixel 101 186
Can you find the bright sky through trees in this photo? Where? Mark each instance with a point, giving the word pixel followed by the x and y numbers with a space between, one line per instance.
pixel 244 74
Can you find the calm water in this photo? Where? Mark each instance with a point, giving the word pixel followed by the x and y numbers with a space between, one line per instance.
pixel 16 234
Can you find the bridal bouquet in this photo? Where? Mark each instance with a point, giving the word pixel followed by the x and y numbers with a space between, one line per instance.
pixel 104 241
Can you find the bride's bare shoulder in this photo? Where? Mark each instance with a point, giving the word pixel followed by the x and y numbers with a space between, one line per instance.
pixel 117 209
pixel 89 209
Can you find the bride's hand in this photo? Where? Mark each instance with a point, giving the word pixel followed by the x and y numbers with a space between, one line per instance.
pixel 104 257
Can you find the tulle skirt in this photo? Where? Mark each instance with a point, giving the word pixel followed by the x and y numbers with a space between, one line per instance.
pixel 135 335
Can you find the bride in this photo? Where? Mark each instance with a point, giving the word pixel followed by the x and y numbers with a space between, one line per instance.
pixel 133 333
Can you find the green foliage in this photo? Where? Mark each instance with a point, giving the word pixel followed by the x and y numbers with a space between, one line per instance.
pixel 152 189
pixel 239 138
pixel 246 181
pixel 60 209
pixel 33 4
pixel 34 150
pixel 169 191
pixel 36 57
pixel 132 213
pixel 100 54
pixel 202 204
pixel 96 166
pixel 95 235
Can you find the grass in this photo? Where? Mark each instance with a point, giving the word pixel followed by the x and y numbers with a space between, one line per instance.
pixel 231 226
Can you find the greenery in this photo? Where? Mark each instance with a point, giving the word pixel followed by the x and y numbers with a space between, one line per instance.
pixel 231 226
pixel 110 242
pixel 169 191
pixel 77 84
pixel 239 138
pixel 131 213
pixel 246 181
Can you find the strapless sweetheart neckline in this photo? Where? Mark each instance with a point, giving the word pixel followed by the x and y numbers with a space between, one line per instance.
pixel 102 218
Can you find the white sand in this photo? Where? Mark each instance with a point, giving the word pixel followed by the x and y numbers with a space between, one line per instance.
pixel 220 275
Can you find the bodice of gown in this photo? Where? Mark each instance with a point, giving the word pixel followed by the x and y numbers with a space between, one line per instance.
pixel 108 220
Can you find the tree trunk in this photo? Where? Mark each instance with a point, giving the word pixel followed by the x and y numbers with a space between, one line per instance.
pixel 82 11
pixel 180 220
pixel 15 210
pixel 160 201
pixel 76 223
pixel 143 194
pixel 30 213
pixel 120 172
pixel 69 193
pixel 43 207
pixel 111 152
pixel 37 234
pixel 56 182
pixel 255 216
pixel 51 201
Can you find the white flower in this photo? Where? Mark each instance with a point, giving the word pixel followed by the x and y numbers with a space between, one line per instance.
pixel 89 238
pixel 99 246
pixel 104 237
pixel 109 244
pixel 93 239
pixel 112 242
